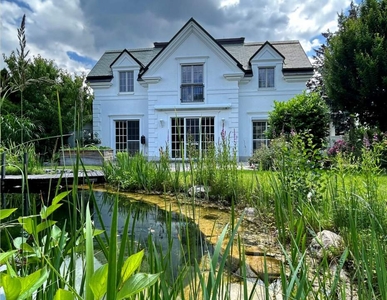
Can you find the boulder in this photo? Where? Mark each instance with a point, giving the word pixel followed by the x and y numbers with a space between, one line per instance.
pixel 254 292
pixel 326 243
pixel 250 212
pixel 198 191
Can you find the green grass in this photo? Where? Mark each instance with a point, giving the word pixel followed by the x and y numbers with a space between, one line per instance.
pixel 299 198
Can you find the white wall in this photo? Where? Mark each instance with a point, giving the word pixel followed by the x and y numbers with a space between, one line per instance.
pixel 237 102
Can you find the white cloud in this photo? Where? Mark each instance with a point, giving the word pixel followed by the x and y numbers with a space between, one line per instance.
pixel 52 29
pixel 226 3
pixel 88 27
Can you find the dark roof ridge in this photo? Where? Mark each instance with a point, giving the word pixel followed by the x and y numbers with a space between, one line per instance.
pixel 240 40
pixel 130 50
pixel 127 52
pixel 272 42
pixel 263 46
pixel 191 20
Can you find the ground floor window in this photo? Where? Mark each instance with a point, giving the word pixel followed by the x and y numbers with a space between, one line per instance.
pixel 259 134
pixel 190 135
pixel 128 136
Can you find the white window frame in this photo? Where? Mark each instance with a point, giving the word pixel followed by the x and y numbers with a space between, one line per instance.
pixel 265 79
pixel 129 82
pixel 263 140
pixel 179 136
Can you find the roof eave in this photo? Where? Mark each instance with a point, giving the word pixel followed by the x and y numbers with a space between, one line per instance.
pixel 104 78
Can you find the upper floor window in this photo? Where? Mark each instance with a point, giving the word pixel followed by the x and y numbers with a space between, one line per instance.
pixel 126 82
pixel 266 77
pixel 192 87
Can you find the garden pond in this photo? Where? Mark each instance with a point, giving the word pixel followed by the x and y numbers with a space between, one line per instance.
pixel 183 230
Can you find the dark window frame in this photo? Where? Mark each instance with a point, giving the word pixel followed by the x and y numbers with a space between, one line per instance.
pixel 126 81
pixel 192 86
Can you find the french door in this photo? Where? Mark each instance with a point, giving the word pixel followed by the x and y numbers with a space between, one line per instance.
pixel 128 136
pixel 191 136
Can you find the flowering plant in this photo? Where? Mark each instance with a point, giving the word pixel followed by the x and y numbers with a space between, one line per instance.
pixel 340 146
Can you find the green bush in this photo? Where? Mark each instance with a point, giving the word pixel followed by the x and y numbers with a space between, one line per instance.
pixel 263 158
pixel 305 112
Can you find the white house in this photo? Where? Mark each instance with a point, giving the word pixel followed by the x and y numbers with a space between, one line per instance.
pixel 191 90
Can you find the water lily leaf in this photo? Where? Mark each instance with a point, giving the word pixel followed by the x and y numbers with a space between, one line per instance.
pixel 32 282
pixel 5 255
pixel 63 295
pixel 5 213
pixel 136 284
pixel 131 265
pixel 11 286
pixel 98 282
pixel 59 197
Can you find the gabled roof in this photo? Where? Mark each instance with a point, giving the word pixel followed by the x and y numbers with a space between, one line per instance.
pixel 295 59
pixel 263 46
pixel 127 52
pixel 192 20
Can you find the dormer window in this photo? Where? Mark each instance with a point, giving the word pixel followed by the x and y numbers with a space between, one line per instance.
pixel 126 82
pixel 266 77
pixel 192 87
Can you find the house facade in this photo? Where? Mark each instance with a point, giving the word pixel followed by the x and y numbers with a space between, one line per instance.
pixel 193 90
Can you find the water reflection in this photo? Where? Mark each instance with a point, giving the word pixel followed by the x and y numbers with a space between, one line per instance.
pixel 177 239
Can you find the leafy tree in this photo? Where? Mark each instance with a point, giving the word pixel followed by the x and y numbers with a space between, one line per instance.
pixel 355 64
pixel 30 92
pixel 304 112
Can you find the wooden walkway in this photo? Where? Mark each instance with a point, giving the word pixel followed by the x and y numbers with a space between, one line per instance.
pixel 37 183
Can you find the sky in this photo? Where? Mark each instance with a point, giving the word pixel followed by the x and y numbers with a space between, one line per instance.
pixel 75 33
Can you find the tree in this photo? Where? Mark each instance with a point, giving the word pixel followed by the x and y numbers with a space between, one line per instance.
pixel 32 87
pixel 355 64
pixel 304 112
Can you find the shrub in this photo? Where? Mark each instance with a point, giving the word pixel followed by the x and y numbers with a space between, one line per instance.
pixel 305 112
pixel 263 158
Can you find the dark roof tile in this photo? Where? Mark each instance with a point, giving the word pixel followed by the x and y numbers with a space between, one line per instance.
pixel 295 57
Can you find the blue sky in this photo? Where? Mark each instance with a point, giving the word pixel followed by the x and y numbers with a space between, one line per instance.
pixel 75 33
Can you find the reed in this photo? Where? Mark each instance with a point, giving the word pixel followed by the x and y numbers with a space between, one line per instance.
pixel 299 197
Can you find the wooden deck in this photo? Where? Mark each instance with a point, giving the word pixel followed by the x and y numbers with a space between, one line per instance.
pixel 38 183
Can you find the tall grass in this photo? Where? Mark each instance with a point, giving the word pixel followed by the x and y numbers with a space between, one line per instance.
pixel 216 167
pixel 299 197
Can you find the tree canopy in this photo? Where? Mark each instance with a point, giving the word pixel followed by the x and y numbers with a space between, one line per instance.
pixel 31 89
pixel 304 112
pixel 354 68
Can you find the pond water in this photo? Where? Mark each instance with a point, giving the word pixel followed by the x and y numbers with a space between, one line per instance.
pixel 177 238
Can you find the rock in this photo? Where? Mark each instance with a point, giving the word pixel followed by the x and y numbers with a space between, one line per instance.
pixel 326 243
pixel 258 264
pixel 249 273
pixel 198 191
pixel 250 212
pixel 254 251
pixel 257 292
